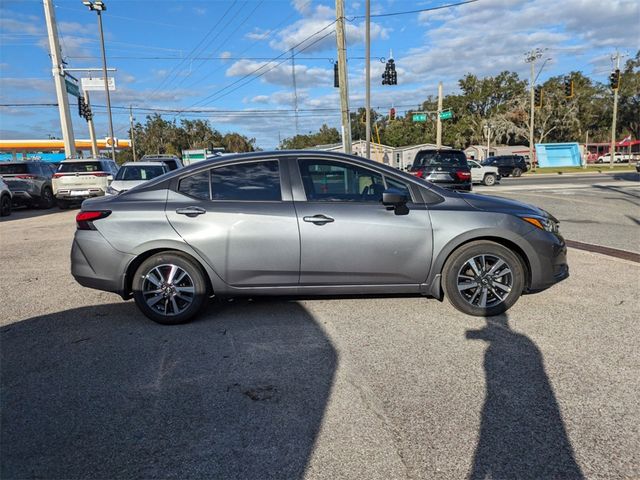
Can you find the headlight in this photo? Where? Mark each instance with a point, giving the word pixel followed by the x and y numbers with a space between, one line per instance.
pixel 112 191
pixel 543 223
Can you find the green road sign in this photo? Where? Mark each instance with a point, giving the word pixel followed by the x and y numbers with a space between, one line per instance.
pixel 72 88
pixel 419 117
pixel 446 115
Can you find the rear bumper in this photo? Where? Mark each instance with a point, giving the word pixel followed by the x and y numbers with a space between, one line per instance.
pixel 71 194
pixel 96 264
pixel 466 187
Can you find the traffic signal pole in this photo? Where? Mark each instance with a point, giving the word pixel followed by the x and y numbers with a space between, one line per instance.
pixel 342 75
pixel 532 114
pixel 92 131
pixel 612 151
pixel 59 82
pixel 439 121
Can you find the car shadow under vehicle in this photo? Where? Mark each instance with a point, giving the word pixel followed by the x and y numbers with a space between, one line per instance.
pixel 102 392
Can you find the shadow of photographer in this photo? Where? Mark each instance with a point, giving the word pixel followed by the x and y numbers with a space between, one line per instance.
pixel 522 434
pixel 101 392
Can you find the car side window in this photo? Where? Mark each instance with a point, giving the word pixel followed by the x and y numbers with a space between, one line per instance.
pixel 196 185
pixel 333 181
pixel 254 181
pixel 398 185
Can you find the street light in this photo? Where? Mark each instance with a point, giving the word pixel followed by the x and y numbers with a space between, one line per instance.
pixel 98 6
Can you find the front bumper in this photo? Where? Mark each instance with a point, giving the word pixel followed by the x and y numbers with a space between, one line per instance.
pixel 96 264
pixel 549 265
pixel 20 197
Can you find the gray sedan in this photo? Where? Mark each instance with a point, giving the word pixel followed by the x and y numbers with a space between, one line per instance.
pixel 310 223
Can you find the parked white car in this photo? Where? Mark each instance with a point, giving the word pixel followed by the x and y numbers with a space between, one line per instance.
pixel 135 173
pixel 485 174
pixel 618 158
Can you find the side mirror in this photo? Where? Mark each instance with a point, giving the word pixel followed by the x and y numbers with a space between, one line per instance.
pixel 395 200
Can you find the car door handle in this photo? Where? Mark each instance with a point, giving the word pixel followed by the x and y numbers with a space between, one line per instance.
pixel 318 219
pixel 190 211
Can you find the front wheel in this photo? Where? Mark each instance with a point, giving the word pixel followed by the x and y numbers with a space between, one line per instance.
pixel 517 172
pixel 169 288
pixel 489 179
pixel 5 206
pixel 483 278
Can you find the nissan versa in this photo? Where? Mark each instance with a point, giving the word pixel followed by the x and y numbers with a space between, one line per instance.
pixel 310 223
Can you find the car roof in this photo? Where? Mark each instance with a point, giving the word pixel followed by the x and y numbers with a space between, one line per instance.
pixel 140 164
pixel 77 160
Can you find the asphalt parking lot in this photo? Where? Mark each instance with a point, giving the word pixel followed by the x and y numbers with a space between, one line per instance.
pixel 377 388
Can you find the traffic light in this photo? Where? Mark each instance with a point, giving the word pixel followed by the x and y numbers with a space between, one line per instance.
pixel 537 97
pixel 568 88
pixel 336 78
pixel 390 76
pixel 88 114
pixel 392 114
pixel 81 106
pixel 614 79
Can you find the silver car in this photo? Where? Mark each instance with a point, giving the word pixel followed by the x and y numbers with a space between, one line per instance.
pixel 310 223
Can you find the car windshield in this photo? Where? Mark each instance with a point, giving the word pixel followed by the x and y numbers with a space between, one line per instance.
pixel 14 168
pixel 488 161
pixel 72 167
pixel 441 158
pixel 140 172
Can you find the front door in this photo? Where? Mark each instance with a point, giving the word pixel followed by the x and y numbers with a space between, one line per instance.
pixel 241 220
pixel 348 237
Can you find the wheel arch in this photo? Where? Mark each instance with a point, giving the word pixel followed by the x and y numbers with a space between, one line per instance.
pixel 435 282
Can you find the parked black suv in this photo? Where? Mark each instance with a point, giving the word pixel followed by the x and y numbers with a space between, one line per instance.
pixel 508 164
pixel 30 182
pixel 448 168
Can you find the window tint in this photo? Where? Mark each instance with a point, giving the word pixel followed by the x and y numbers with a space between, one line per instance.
pixel 196 185
pixel 80 167
pixel 451 158
pixel 330 181
pixel 140 172
pixel 398 185
pixel 13 168
pixel 257 181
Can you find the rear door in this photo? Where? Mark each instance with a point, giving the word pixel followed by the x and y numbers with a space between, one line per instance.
pixel 348 237
pixel 240 218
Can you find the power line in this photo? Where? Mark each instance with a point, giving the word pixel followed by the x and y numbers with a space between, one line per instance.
pixel 407 12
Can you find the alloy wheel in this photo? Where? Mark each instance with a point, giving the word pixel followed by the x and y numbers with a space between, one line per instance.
pixel 168 289
pixel 485 280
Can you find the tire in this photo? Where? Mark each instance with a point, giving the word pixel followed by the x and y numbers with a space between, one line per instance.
pixel 516 172
pixel 489 179
pixel 47 200
pixel 63 205
pixel 173 306
pixel 457 272
pixel 5 206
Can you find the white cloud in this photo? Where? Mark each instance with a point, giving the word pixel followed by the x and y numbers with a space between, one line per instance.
pixel 199 11
pixel 302 6
pixel 282 74
pixel 258 34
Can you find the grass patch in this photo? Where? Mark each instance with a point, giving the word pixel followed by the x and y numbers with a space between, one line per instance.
pixel 604 168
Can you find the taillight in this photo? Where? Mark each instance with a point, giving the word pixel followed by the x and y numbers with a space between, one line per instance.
pixel 419 173
pixel 57 175
pixel 85 220
pixel 462 175
pixel 100 174
pixel 26 177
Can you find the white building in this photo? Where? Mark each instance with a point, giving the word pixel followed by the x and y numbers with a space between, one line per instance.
pixel 479 152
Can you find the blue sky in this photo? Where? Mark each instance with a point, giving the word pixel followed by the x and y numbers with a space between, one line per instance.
pixel 158 48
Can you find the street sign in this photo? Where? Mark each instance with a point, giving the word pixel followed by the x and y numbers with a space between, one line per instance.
pixel 97 84
pixel 446 115
pixel 72 88
pixel 419 117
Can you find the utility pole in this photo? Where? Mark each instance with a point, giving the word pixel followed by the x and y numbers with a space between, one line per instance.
pixel 531 58
pixel 132 134
pixel 295 89
pixel 438 121
pixel 92 130
pixel 586 150
pixel 58 79
pixel 488 130
pixel 342 76
pixel 368 74
pixel 612 151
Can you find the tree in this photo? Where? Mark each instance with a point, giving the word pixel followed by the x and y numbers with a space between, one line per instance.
pixel 325 136
pixel 236 143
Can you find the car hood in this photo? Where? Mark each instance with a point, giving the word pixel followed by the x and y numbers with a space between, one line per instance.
pixel 501 205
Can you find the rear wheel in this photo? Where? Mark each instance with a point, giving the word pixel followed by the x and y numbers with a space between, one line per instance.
pixel 516 172
pixel 5 206
pixel 489 179
pixel 47 199
pixel 483 278
pixel 169 288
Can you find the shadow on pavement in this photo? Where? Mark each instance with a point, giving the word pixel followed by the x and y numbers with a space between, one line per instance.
pixel 22 213
pixel 102 392
pixel 522 434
